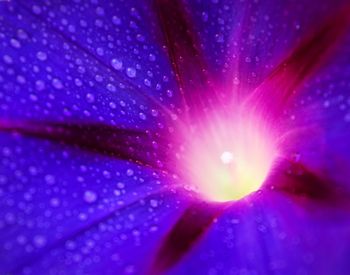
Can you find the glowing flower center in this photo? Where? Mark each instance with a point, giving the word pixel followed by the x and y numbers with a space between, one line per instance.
pixel 227 159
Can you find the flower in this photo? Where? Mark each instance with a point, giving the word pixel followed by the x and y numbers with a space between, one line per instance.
pixel 173 136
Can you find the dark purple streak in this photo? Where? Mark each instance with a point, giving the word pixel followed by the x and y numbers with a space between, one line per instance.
pixel 187 231
pixel 126 144
pixel 273 94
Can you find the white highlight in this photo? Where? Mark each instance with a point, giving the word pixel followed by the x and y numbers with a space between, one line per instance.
pixel 226 157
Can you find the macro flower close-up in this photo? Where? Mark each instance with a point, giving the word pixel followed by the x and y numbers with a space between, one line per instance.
pixel 175 137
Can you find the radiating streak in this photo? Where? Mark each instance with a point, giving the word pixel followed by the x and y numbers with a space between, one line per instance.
pixel 295 179
pixel 265 104
pixel 273 95
pixel 191 226
pixel 131 145
pixel 184 52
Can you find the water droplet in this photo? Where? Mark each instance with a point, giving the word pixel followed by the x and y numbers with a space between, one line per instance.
pixel 90 196
pixel 39 85
pixel 117 64
pixel 147 82
pixel 142 116
pixel 112 105
pixel 131 72
pixel 116 20
pixel 219 38
pixel 154 203
pixel 205 16
pixel 33 97
pixel 39 241
pixel 169 93
pixel 151 57
pixel 129 172
pixel 21 34
pixel 100 51
pixel 42 56
pixel 106 174
pixel 154 112
pixel 111 87
pixel 50 179
pixel 7 59
pixel 56 83
pixel 120 185
pixel 100 11
pixel 36 9
pixel 90 98
pixel 347 117
pixel 54 202
pixel 153 228
pixel 78 82
pixel 15 43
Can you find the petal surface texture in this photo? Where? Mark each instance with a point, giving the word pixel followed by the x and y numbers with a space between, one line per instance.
pixel 175 137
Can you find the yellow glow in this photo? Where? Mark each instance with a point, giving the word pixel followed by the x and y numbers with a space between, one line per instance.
pixel 228 158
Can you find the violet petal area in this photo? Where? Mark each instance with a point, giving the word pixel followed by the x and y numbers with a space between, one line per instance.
pixel 175 137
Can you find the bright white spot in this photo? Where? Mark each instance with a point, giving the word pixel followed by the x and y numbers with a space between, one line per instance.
pixel 226 157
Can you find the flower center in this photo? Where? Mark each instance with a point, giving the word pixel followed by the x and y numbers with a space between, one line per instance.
pixel 228 159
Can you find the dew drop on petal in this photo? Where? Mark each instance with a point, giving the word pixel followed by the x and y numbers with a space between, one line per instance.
pixel 90 98
pixel 131 72
pixel 15 43
pixel 111 87
pixel 117 64
pixel 50 179
pixel 57 84
pixel 36 9
pixel 90 196
pixel 40 85
pixel 54 202
pixel 151 57
pixel 39 241
pixel 42 56
pixel 129 172
pixel 21 34
pixel 142 116
pixel 120 185
pixel 154 112
pixel 154 203
pixel 112 105
pixel 116 20
pixel 7 59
